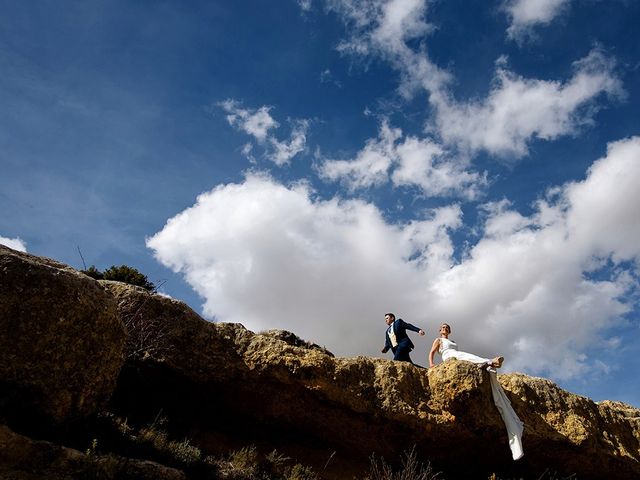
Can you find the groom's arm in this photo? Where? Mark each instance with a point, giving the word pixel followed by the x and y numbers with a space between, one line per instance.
pixel 413 328
pixel 387 344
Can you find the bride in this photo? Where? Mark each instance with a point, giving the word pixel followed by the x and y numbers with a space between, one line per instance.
pixel 449 349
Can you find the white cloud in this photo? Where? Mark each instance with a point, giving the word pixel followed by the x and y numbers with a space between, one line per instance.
pixel 526 14
pixel 371 165
pixel 284 151
pixel 15 243
pixel 382 28
pixel 527 280
pixel 423 163
pixel 272 256
pixel 408 162
pixel 305 5
pixel 269 256
pixel 605 211
pixel 519 109
pixel 381 24
pixel 258 123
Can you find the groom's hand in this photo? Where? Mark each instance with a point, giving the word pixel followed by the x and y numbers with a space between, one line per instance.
pixel 421 333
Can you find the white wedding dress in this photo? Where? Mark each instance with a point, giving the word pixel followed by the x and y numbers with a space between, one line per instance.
pixel 449 349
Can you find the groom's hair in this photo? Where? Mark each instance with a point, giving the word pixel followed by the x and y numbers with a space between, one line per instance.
pixel 393 317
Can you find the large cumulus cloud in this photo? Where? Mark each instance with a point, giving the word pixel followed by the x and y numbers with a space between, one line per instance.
pixel 270 255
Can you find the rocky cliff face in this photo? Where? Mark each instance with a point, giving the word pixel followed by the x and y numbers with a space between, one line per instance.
pixel 61 340
pixel 222 385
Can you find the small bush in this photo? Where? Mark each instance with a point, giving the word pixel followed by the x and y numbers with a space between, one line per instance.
pixel 244 462
pixel 130 275
pixel 184 452
pixel 93 272
pixel 411 469
pixel 300 472
pixel 177 452
pixel 123 273
pixel 276 462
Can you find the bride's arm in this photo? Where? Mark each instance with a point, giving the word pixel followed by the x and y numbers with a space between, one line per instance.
pixel 434 349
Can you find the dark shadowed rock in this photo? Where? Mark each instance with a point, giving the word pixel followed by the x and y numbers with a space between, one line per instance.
pixel 61 341
pixel 224 382
pixel 22 458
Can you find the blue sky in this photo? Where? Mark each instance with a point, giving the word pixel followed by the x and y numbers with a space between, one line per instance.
pixel 312 165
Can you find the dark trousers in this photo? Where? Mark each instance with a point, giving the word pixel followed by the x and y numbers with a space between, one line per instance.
pixel 401 353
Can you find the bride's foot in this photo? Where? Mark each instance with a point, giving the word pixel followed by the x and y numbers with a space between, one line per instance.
pixel 497 362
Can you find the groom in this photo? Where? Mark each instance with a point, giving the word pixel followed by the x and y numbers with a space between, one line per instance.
pixel 397 339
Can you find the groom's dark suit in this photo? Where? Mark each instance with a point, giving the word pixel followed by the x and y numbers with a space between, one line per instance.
pixel 405 345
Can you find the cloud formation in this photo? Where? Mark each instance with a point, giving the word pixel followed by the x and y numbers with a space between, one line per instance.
pixel 405 162
pixel 516 111
pixel 382 28
pixel 270 255
pixel 15 243
pixel 371 165
pixel 258 123
pixel 524 15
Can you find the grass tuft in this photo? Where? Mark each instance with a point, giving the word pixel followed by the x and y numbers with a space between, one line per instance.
pixel 411 469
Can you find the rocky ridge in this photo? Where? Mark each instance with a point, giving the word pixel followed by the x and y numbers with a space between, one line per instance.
pixel 222 385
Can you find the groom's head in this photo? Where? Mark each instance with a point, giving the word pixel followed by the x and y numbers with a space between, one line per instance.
pixel 389 318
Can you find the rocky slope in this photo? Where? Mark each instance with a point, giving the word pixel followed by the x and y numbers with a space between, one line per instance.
pixel 223 386
pixel 61 340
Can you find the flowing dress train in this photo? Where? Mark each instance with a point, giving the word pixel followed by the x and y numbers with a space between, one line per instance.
pixel 515 427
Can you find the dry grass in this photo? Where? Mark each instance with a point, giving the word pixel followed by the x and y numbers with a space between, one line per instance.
pixel 411 469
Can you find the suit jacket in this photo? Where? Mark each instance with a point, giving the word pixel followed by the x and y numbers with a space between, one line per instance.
pixel 400 328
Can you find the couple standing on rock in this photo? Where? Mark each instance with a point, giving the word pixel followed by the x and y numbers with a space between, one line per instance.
pixel 397 340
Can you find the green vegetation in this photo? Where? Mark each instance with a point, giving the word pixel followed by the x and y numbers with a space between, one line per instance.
pixel 93 272
pixel 123 273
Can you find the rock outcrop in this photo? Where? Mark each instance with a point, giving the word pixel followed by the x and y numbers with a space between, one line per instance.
pixel 240 384
pixel 62 344
pixel 61 340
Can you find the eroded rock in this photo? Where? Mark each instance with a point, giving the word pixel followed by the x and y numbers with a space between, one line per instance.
pixel 62 343
pixel 61 340
pixel 247 386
